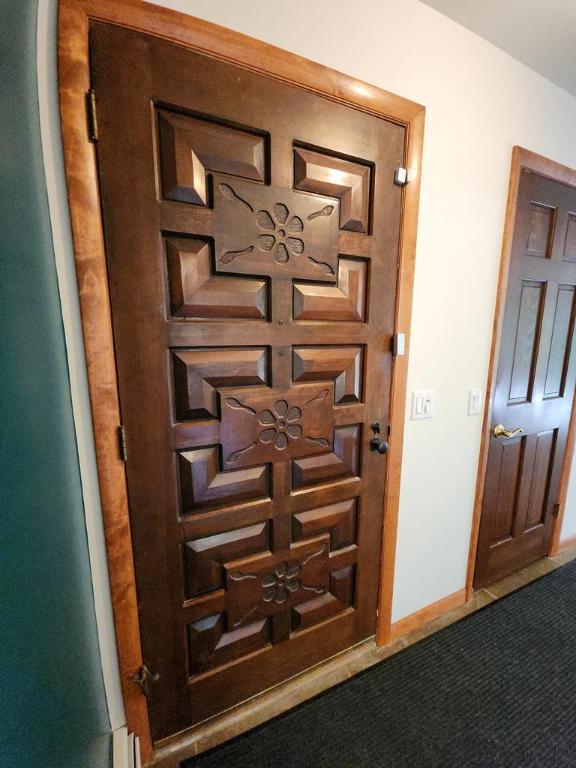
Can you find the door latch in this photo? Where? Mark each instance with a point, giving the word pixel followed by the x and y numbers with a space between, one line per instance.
pixel 398 344
pixel 375 443
pixel 144 677
pixel 401 177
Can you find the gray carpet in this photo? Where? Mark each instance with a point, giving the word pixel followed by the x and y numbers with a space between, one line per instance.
pixel 497 689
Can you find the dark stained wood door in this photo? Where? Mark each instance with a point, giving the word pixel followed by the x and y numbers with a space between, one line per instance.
pixel 535 382
pixel 252 236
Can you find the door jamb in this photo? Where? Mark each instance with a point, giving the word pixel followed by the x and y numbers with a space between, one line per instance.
pixel 522 159
pixel 83 195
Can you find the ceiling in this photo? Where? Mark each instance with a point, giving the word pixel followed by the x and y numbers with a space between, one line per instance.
pixel 539 33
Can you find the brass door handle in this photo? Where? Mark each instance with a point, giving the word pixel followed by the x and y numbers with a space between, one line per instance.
pixel 500 431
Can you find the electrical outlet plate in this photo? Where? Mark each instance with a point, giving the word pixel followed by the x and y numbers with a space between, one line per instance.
pixel 422 403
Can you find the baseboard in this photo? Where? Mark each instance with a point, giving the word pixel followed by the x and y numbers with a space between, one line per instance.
pixel 564 545
pixel 125 749
pixel 427 614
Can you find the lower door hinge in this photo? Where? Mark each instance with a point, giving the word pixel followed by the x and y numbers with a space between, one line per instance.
pixel 91 115
pixel 144 677
pixel 556 509
pixel 122 443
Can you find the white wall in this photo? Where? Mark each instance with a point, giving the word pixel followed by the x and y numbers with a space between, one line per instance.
pixel 480 102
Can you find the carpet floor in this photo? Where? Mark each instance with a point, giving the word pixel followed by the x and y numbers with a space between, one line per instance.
pixel 495 690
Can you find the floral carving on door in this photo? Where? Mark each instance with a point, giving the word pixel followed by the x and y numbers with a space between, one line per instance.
pixel 262 587
pixel 259 426
pixel 272 230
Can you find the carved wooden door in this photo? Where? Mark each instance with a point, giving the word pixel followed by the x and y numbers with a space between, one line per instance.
pixel 252 237
pixel 535 382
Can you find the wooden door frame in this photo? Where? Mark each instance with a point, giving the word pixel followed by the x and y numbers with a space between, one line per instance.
pixel 522 159
pixel 84 201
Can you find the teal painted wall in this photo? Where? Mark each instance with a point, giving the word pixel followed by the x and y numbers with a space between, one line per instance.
pixel 52 703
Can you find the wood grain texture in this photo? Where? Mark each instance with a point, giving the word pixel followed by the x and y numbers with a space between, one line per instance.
pixel 220 43
pixel 427 614
pixel 521 159
pixel 404 295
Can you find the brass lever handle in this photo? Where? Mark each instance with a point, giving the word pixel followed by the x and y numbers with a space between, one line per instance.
pixel 500 431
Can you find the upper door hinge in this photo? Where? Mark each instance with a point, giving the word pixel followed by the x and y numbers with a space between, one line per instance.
pixel 122 443
pixel 555 509
pixel 91 115
pixel 401 176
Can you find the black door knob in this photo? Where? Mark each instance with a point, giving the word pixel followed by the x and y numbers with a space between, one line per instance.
pixel 378 445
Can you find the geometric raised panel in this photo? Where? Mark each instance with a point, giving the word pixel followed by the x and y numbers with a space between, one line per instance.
pixel 204 484
pixel 541 231
pixel 205 557
pixel 339 520
pixel 569 253
pixel 189 147
pixel 327 175
pixel 210 645
pixel 527 339
pixel 344 302
pixel 341 463
pixel 262 230
pixel 561 342
pixel 196 293
pixel 258 426
pixel 342 365
pixel 340 595
pixel 198 373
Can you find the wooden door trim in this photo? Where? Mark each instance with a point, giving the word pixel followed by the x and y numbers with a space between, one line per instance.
pixel 84 201
pixel 522 159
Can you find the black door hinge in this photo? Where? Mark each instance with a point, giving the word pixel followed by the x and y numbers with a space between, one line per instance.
pixel 122 443
pixel 92 120
pixel 555 509
pixel 143 678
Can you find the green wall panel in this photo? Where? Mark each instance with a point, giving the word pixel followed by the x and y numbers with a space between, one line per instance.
pixel 52 704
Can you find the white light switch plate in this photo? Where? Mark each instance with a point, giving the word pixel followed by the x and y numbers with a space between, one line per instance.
pixel 475 402
pixel 422 403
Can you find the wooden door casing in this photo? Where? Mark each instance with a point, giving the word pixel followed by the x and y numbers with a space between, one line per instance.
pixel 252 249
pixel 535 382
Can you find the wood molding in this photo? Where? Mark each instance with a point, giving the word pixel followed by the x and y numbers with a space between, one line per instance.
pixel 404 295
pixel 521 159
pixel 557 546
pixel 564 545
pixel 83 196
pixel 427 614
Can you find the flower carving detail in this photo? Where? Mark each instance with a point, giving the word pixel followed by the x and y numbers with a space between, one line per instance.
pixel 280 424
pixel 278 585
pixel 279 230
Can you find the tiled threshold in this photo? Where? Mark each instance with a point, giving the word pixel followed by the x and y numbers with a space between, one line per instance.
pixel 269 704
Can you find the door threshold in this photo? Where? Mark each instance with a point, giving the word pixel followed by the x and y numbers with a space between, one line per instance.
pixel 170 752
